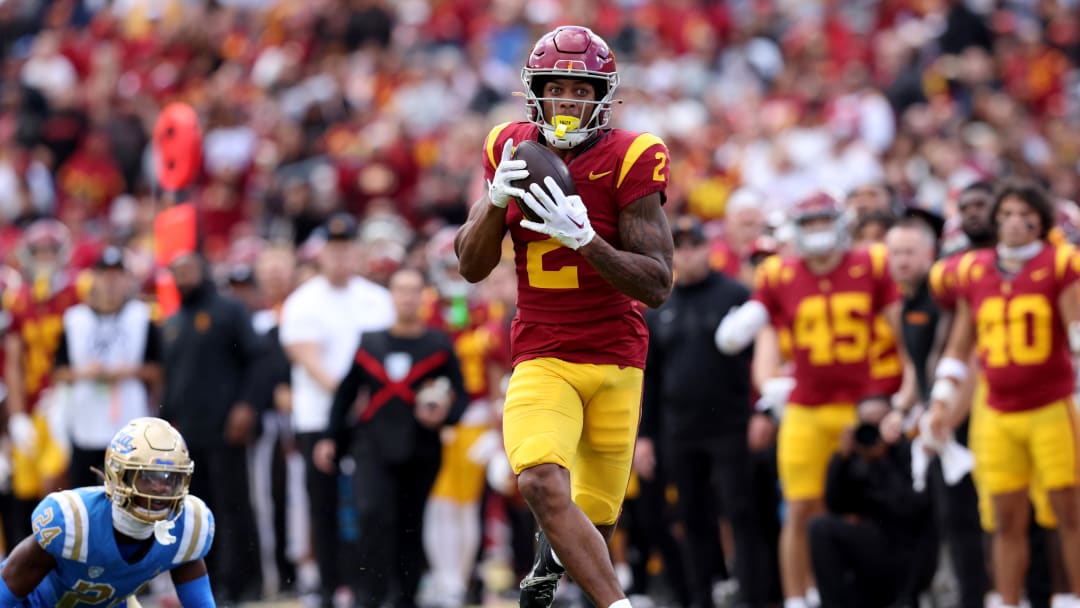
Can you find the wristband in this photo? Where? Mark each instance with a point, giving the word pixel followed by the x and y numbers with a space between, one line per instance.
pixel 949 367
pixel 944 390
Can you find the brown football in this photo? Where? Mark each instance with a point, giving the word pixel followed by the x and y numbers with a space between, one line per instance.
pixel 542 163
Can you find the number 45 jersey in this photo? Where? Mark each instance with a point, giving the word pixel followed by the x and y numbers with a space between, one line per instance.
pixel 1020 336
pixel 75 527
pixel 830 318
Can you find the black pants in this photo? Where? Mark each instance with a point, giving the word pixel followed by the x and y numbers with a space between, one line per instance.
pixel 649 522
pixel 221 480
pixel 708 474
pixel 322 490
pixel 854 564
pixel 390 500
pixel 16 514
pixel 79 473
pixel 957 513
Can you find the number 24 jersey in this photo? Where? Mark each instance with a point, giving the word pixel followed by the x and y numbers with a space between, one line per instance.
pixel 75 527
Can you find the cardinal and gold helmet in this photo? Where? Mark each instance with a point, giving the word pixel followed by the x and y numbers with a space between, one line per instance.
pixel 148 470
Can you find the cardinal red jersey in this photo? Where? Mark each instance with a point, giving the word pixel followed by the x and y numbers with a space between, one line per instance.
pixel 722 258
pixel 38 318
pixel 830 318
pixel 886 369
pixel 942 281
pixel 1020 337
pixel 478 343
pixel 565 308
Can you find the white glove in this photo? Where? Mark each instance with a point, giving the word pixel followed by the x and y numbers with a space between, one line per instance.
pixel 499 189
pixel 774 395
pixel 740 326
pixel 565 217
pixel 22 431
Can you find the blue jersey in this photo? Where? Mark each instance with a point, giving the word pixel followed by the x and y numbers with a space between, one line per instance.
pixel 75 527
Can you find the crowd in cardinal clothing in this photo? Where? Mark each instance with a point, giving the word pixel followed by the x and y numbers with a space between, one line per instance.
pixel 341 149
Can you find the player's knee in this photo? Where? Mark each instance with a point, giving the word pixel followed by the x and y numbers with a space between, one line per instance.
pixel 545 487
pixel 800 512
pixel 1066 507
pixel 1011 515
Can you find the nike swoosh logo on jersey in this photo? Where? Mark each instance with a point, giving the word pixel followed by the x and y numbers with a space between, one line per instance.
pixel 594 176
pixel 1040 274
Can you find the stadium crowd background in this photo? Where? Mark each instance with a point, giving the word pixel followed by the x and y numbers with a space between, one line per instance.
pixel 380 108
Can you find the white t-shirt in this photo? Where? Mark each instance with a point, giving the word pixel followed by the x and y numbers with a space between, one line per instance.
pixel 333 319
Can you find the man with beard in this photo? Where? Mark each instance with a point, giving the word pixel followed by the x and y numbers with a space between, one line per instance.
pixel 209 347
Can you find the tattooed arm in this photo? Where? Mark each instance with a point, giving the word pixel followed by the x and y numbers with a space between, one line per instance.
pixel 642 270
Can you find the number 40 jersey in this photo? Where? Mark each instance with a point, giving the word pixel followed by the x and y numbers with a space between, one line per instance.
pixel 1020 339
pixel 75 527
pixel 830 319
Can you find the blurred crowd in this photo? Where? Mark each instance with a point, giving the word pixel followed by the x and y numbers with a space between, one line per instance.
pixel 378 110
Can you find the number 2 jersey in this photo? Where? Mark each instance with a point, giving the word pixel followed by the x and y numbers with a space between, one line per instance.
pixel 75 527
pixel 1020 336
pixel 565 309
pixel 829 318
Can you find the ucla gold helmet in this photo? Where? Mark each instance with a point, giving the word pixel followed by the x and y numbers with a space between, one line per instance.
pixel 148 470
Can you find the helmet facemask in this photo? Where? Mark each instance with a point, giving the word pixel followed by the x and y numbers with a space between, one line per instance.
pixel 823 240
pixel 562 131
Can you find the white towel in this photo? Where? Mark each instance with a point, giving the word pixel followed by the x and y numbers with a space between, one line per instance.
pixel 956 460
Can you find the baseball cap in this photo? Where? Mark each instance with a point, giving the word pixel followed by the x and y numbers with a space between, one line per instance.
pixel 687 228
pixel 112 258
pixel 934 220
pixel 340 227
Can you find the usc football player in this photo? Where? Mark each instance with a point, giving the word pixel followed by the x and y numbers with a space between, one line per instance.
pixel 1018 311
pixel 578 339
pixel 826 299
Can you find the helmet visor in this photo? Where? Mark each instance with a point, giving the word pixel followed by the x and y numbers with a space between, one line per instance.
pixel 160 484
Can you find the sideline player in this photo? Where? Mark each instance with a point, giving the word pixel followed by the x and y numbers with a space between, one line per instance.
pixel 579 339
pixel 826 298
pixel 1018 310
pixel 98 545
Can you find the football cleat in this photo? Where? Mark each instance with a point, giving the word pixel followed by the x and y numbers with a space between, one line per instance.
pixel 539 585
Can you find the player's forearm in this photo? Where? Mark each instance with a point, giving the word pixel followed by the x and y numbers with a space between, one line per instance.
pixel 639 276
pixel 478 243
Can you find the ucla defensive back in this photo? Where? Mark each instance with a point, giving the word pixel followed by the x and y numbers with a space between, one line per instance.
pixel 96 546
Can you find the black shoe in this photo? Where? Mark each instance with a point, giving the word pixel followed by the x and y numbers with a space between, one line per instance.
pixel 538 586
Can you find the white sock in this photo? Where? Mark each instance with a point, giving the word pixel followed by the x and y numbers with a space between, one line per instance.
pixel 813 598
pixel 623 603
pixel 795 602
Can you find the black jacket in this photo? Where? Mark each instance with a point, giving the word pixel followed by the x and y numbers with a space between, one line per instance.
pixel 692 390
pixel 209 350
pixel 392 369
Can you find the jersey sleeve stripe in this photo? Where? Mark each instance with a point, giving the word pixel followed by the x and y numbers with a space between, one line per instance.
pixel 963 267
pixel 203 536
pixel 80 525
pixel 69 525
pixel 196 530
pixel 183 547
pixel 1062 256
pixel 937 278
pixel 637 147
pixel 877 260
pixel 489 145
